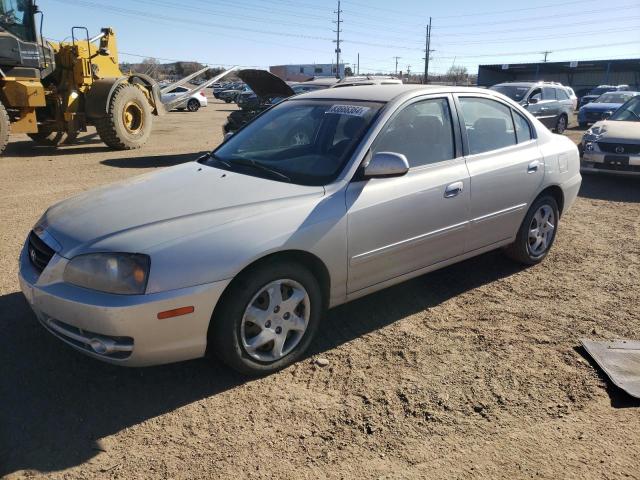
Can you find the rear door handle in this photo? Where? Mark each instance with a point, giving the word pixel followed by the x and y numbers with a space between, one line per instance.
pixel 453 190
pixel 533 166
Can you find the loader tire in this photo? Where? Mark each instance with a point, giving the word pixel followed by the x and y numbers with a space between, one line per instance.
pixel 128 122
pixel 5 128
pixel 53 139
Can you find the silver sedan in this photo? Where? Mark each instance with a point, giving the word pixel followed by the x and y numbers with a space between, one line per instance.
pixel 324 198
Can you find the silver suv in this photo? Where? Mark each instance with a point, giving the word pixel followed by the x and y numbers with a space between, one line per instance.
pixel 549 102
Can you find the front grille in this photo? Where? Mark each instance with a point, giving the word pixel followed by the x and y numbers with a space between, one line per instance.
pixel 611 148
pixel 40 253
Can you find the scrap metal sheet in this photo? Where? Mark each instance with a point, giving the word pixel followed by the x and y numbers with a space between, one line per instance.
pixel 620 360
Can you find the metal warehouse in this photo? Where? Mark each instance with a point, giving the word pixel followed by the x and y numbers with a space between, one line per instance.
pixel 577 74
pixel 300 73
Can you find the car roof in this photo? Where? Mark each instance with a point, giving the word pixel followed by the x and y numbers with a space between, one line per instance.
pixel 380 93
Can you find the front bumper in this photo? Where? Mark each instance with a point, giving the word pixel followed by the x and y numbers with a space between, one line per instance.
pixel 126 325
pixel 594 162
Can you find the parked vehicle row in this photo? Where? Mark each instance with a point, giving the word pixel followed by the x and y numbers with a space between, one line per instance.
pixel 326 197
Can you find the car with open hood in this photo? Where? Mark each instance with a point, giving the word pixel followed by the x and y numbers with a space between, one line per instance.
pixel 266 90
pixel 613 145
pixel 603 107
pixel 325 197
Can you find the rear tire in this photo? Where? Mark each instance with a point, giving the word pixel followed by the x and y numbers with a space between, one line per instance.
pixel 535 238
pixel 193 105
pixel 53 139
pixel 129 120
pixel 5 128
pixel 228 334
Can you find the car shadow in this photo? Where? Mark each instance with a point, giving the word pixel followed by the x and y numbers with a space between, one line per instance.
pixel 56 404
pixel 613 188
pixel 152 161
pixel 618 397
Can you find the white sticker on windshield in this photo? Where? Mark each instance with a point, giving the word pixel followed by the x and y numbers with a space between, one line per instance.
pixel 353 110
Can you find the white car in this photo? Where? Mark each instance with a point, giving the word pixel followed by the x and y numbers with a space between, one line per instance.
pixel 191 103
pixel 325 197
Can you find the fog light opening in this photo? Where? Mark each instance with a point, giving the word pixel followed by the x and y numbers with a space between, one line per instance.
pixel 99 346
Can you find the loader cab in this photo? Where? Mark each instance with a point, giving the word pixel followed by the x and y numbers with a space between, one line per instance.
pixel 18 39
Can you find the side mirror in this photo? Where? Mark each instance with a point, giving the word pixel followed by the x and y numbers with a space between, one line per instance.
pixel 533 100
pixel 386 164
pixel 227 136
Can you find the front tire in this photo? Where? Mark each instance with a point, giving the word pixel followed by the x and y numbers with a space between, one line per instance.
pixel 267 318
pixel 537 232
pixel 129 120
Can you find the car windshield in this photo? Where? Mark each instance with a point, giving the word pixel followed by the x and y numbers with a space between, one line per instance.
pixel 613 97
pixel 629 112
pixel 300 141
pixel 514 92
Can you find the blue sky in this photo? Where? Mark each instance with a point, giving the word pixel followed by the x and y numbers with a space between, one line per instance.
pixel 260 33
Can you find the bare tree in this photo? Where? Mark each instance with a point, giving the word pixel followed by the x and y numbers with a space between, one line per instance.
pixel 457 74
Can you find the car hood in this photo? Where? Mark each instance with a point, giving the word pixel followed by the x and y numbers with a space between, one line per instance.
pixel 265 84
pixel 601 107
pixel 616 131
pixel 136 214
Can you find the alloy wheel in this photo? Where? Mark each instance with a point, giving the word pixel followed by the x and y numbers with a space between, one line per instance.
pixel 541 231
pixel 275 320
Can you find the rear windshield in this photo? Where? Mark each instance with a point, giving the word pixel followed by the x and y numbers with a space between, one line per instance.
pixel 512 91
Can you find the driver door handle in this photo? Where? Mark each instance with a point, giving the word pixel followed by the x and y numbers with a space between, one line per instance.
pixel 453 190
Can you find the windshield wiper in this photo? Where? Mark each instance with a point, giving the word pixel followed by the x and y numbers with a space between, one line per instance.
pixel 260 166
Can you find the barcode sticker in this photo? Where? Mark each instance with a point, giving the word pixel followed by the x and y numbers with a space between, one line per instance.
pixel 352 110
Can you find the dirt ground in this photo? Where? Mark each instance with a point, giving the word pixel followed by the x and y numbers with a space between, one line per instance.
pixel 474 371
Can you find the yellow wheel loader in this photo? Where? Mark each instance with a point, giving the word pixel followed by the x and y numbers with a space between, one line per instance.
pixel 51 91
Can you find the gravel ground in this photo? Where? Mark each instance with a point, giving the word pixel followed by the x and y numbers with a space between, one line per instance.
pixel 474 371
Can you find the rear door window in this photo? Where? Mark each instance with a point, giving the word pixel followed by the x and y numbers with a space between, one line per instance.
pixel 488 123
pixel 549 93
pixel 523 129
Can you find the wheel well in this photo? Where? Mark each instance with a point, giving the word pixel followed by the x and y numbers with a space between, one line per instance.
pixel 556 192
pixel 306 259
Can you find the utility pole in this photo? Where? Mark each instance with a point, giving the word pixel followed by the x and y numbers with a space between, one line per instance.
pixel 338 30
pixel 408 73
pixel 397 58
pixel 545 53
pixel 358 63
pixel 427 52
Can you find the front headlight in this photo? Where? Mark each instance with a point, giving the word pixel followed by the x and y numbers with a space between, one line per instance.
pixel 121 273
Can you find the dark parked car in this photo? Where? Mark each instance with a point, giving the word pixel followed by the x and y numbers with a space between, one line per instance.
pixel 549 102
pixel 599 90
pixel 603 107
